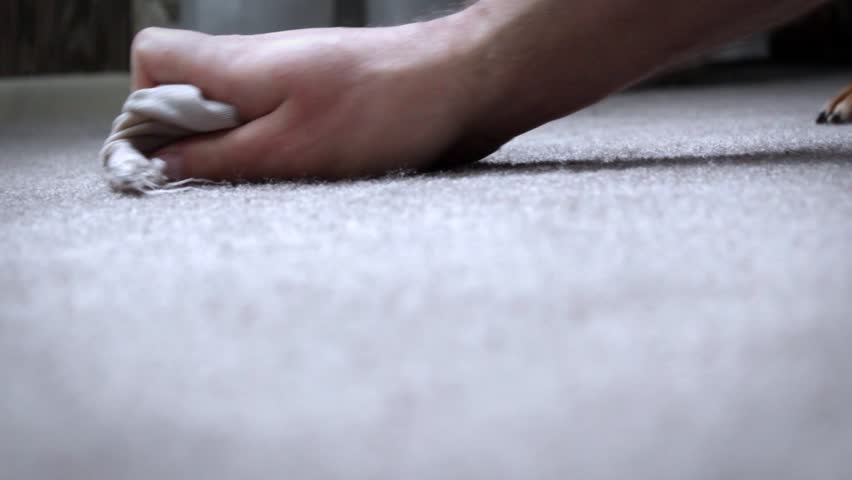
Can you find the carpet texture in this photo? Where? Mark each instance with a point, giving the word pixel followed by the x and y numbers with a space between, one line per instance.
pixel 658 287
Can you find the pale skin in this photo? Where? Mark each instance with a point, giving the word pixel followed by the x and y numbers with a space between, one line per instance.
pixel 340 103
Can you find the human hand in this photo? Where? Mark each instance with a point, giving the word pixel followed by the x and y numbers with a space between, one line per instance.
pixel 329 103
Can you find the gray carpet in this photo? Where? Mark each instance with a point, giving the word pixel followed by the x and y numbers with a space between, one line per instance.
pixel 659 287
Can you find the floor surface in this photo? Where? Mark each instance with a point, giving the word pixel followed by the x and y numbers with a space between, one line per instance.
pixel 658 287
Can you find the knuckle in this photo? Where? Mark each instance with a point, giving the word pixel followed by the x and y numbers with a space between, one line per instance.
pixel 144 41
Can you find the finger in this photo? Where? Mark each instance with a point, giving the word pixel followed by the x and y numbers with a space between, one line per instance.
pixel 161 55
pixel 166 56
pixel 254 151
pixel 222 67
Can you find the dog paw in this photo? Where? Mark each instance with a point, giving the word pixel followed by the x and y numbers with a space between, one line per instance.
pixel 839 109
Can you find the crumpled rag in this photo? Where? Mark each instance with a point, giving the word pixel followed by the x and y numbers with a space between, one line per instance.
pixel 150 120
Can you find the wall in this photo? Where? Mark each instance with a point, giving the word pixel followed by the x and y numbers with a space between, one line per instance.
pixel 255 16
pixel 394 12
pixel 258 16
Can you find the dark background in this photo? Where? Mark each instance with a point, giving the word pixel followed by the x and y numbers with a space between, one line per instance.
pixel 61 36
pixel 57 36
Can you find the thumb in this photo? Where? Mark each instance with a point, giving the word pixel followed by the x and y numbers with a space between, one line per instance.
pixel 248 152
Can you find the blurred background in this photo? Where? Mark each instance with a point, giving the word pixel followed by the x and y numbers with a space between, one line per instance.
pixel 64 36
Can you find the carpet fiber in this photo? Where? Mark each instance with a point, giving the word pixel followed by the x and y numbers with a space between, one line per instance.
pixel 658 287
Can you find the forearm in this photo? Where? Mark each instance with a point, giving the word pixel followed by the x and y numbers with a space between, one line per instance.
pixel 543 59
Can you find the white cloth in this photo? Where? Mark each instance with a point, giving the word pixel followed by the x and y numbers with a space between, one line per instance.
pixel 150 120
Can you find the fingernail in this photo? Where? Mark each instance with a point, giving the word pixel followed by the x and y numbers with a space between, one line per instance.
pixel 174 165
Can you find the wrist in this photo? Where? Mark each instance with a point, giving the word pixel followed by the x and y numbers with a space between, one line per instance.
pixel 520 72
pixel 534 62
pixel 470 42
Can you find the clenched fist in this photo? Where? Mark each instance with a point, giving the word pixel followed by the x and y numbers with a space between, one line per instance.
pixel 328 103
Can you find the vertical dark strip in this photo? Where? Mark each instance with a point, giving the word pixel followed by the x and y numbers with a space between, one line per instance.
pixel 10 26
pixel 350 13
